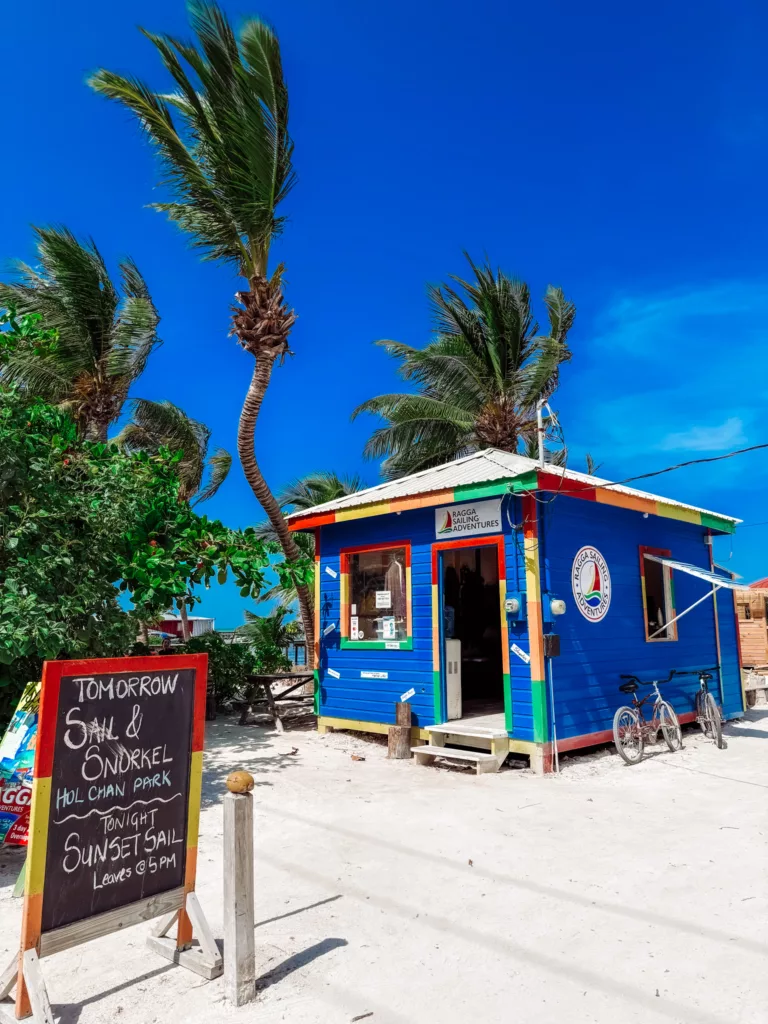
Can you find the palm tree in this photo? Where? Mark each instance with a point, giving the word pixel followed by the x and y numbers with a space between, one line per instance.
pixel 304 493
pixel 156 425
pixel 223 140
pixel 269 636
pixel 592 466
pixel 480 378
pixel 106 331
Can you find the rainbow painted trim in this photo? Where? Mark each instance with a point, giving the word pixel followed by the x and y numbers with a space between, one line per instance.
pixel 374 645
pixel 496 541
pixel 535 480
pixel 535 620
pixel 53 672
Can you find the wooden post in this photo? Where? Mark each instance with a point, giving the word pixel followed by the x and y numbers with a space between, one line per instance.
pixel 239 941
pixel 399 735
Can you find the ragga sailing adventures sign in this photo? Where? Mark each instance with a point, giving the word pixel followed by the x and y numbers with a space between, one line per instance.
pixel 472 518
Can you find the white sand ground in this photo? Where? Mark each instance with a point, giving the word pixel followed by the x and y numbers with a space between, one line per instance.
pixel 410 894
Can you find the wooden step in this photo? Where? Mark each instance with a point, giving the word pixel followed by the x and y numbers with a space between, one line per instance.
pixel 483 762
pixel 467 729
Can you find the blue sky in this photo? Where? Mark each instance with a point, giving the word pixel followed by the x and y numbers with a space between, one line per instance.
pixel 616 151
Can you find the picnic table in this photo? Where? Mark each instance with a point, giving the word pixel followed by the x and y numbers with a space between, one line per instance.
pixel 265 683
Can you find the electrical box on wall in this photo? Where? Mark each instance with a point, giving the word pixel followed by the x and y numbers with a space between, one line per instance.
pixel 551 645
pixel 514 605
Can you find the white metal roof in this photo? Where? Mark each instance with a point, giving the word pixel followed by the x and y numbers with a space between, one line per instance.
pixel 481 467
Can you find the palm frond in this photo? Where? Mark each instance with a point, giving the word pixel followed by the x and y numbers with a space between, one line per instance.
pixel 222 137
pixel 218 466
pixel 478 381
pixel 156 425
pixel 106 331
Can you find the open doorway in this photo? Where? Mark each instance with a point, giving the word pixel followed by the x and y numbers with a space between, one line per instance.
pixel 472 658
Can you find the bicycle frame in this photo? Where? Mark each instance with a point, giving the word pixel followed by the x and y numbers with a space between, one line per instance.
pixel 653 723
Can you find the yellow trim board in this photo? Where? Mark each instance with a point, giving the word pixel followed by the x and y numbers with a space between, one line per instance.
pixel 195 792
pixel 382 728
pixel 38 836
pixel 515 746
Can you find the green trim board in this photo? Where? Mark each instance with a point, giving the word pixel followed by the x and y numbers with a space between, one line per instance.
pixel 377 645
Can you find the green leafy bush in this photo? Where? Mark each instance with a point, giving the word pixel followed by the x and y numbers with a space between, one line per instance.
pixel 81 521
pixel 228 664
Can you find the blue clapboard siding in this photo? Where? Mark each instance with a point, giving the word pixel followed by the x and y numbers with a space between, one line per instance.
pixel 519 670
pixel 594 654
pixel 373 700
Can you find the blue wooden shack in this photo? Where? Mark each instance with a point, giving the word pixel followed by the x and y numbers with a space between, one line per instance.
pixel 447 586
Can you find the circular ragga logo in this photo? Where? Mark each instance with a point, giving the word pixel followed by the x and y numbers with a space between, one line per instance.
pixel 591 584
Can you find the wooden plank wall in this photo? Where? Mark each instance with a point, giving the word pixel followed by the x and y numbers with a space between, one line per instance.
pixel 753 631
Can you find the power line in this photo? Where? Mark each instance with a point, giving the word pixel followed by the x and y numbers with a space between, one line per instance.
pixel 657 472
pixel 682 465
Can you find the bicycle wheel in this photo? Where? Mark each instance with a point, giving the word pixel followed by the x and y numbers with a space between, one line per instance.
pixel 670 726
pixel 628 735
pixel 714 727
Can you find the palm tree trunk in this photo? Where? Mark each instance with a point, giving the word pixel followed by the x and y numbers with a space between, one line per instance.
pixel 246 447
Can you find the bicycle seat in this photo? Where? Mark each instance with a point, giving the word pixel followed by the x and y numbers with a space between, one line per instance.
pixel 632 687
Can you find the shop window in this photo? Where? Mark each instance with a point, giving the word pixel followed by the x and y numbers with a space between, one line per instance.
pixel 377 600
pixel 747 611
pixel 658 596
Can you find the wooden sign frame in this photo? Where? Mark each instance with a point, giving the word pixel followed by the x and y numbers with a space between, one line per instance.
pixel 179 905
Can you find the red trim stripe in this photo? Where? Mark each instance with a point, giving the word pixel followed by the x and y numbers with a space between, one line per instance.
pixel 573 488
pixel 592 739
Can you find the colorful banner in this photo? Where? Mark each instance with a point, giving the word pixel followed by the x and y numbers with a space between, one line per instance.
pixel 17 757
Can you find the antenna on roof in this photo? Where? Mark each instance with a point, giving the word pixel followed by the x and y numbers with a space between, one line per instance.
pixel 540 429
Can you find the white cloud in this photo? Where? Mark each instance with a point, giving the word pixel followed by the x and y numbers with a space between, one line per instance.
pixel 706 439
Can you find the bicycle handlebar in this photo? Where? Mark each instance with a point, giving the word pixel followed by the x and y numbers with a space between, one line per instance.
pixel 657 681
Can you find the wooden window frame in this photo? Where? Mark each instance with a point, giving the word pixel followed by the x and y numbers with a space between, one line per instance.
pixel 669 594
pixel 375 645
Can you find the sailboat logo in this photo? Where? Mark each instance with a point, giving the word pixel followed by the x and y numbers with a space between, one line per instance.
pixel 593 593
pixel 446 525
pixel 591 583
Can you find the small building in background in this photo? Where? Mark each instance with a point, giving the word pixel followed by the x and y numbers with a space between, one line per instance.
pixel 752 612
pixel 170 624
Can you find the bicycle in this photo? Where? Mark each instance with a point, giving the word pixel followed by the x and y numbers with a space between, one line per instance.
pixel 631 729
pixel 708 714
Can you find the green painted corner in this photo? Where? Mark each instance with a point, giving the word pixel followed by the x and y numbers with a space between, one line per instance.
pixel 468 492
pixel 376 645
pixel 316 701
pixel 539 703
pixel 438 698
pixel 508 702
pixel 525 482
pixel 716 523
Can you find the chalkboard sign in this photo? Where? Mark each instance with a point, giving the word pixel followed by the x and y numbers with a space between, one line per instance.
pixel 116 790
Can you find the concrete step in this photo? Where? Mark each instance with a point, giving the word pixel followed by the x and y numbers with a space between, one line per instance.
pixel 483 762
